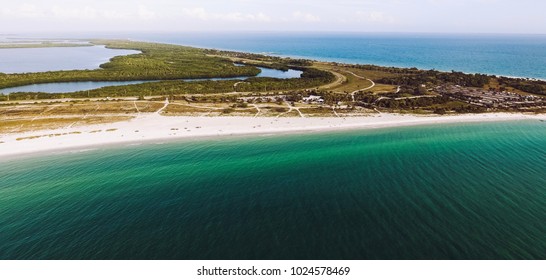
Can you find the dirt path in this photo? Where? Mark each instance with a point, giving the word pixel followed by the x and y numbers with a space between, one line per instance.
pixel 258 109
pixel 158 112
pixel 340 79
pixel 363 78
pixel 136 107
pixel 294 108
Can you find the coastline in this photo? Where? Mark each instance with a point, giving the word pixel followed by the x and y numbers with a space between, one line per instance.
pixel 153 127
pixel 220 45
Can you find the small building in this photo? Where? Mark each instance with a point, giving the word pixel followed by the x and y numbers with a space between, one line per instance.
pixel 313 99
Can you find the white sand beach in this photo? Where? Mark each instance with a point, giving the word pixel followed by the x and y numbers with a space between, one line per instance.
pixel 156 127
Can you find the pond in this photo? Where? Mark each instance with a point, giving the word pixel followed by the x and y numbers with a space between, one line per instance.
pixel 81 86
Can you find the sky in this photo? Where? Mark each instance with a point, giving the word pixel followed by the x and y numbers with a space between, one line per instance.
pixel 428 16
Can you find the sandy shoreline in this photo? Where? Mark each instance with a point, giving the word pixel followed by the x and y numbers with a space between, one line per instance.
pixel 156 127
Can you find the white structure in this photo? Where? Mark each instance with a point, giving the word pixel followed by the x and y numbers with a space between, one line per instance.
pixel 313 98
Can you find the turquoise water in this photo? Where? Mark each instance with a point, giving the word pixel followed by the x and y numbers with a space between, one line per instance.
pixel 55 59
pixel 81 86
pixel 464 191
pixel 508 55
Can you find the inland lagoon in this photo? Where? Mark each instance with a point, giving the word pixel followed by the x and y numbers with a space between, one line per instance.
pixel 26 60
pixel 67 87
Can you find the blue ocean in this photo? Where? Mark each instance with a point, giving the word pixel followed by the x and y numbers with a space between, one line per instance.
pixel 505 55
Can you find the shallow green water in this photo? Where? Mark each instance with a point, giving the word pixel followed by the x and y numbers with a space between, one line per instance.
pixel 465 191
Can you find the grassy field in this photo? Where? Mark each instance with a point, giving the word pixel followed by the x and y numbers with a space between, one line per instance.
pixel 28 117
pixel 352 82
pixel 30 124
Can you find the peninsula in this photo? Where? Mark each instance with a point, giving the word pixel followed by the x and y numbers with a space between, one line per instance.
pixel 187 92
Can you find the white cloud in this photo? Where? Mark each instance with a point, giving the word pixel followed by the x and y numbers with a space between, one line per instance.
pixel 24 10
pixel 199 13
pixel 145 13
pixel 522 16
pixel 29 10
pixel 4 12
pixel 202 14
pixel 74 13
pixel 299 16
pixel 375 16
pixel 116 15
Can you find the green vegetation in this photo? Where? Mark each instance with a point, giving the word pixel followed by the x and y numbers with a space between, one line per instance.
pixel 310 78
pixel 156 62
pixel 436 104
pixel 412 79
pixel 168 63
pixel 338 89
pixel 275 62
pixel 526 85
